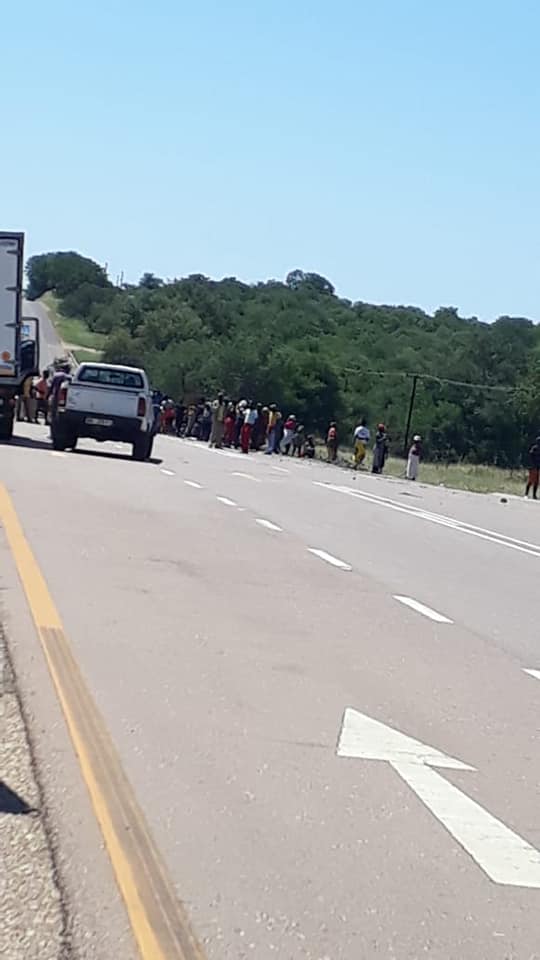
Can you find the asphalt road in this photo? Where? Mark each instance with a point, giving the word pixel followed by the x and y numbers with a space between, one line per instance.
pixel 225 611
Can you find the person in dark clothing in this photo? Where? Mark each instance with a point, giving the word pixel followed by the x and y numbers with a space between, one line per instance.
pixel 206 423
pixel 380 449
pixel 534 469
pixel 310 447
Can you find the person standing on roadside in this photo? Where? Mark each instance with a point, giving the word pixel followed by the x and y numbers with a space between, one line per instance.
pixel 288 433
pixel 229 422
pixel 218 421
pixel 250 419
pixel 534 469
pixel 361 440
pixel 332 443
pixel 413 460
pixel 42 389
pixel 271 428
pixel 241 408
pixel 380 449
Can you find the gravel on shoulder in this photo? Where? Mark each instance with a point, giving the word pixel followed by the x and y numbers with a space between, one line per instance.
pixel 32 915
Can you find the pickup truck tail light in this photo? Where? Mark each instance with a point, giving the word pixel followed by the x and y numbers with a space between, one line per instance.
pixel 141 407
pixel 62 396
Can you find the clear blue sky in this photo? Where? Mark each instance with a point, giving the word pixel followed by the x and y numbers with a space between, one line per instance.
pixel 391 145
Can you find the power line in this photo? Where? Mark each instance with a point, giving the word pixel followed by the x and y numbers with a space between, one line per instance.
pixel 428 376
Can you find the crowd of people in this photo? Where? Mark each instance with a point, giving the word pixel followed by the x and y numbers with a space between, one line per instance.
pixel 242 424
pixel 248 426
pixel 39 395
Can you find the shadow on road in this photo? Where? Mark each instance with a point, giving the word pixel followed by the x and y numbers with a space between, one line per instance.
pixel 29 442
pixel 109 455
pixel 11 802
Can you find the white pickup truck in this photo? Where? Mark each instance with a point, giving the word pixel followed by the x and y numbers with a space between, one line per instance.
pixel 105 402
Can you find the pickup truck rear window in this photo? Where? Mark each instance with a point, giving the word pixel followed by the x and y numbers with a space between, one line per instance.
pixel 111 378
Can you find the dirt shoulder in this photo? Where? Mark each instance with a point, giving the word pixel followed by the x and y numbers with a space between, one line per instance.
pixel 33 923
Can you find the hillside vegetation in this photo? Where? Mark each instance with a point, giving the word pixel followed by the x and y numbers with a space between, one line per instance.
pixel 314 353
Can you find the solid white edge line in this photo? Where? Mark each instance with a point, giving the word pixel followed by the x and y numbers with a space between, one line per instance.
pixel 268 524
pixel 328 558
pixel 460 526
pixel 226 501
pixel 193 483
pixel 421 608
pixel 532 673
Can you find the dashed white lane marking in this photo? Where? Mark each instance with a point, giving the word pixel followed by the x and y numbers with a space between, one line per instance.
pixel 193 483
pixel 245 476
pixel 523 546
pixel 421 608
pixel 334 561
pixel 532 673
pixel 226 501
pixel 269 525
pixel 168 473
pixel 57 453
pixel 280 469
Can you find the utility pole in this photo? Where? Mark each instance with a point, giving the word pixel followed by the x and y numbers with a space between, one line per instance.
pixel 410 413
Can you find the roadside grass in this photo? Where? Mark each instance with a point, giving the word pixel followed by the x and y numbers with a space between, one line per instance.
pixel 477 478
pixel 87 356
pixel 73 332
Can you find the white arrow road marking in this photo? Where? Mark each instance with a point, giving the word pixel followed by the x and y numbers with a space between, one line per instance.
pixel 523 546
pixel 226 501
pixel 334 561
pixel 421 608
pixel 193 483
pixel 245 476
pixel 269 525
pixel 502 854
pixel 532 673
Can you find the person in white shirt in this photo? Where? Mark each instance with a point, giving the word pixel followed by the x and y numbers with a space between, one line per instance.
pixel 361 439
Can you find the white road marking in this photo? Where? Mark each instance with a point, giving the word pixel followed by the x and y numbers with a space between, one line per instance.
pixel 57 453
pixel 502 854
pixel 523 546
pixel 334 561
pixel 532 673
pixel 168 473
pixel 226 501
pixel 280 469
pixel 269 525
pixel 421 608
pixel 245 476
pixel 193 483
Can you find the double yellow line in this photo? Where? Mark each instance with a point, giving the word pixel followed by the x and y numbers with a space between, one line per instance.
pixel 159 922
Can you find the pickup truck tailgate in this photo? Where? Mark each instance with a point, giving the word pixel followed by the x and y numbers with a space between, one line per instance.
pixel 111 401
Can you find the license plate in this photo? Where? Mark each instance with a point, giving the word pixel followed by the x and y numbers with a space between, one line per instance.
pixel 98 422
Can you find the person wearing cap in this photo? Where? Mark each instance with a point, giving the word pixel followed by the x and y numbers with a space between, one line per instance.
pixel 380 449
pixel 413 459
pixel 534 469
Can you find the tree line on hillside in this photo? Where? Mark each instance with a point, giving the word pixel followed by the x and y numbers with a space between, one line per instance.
pixel 315 354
